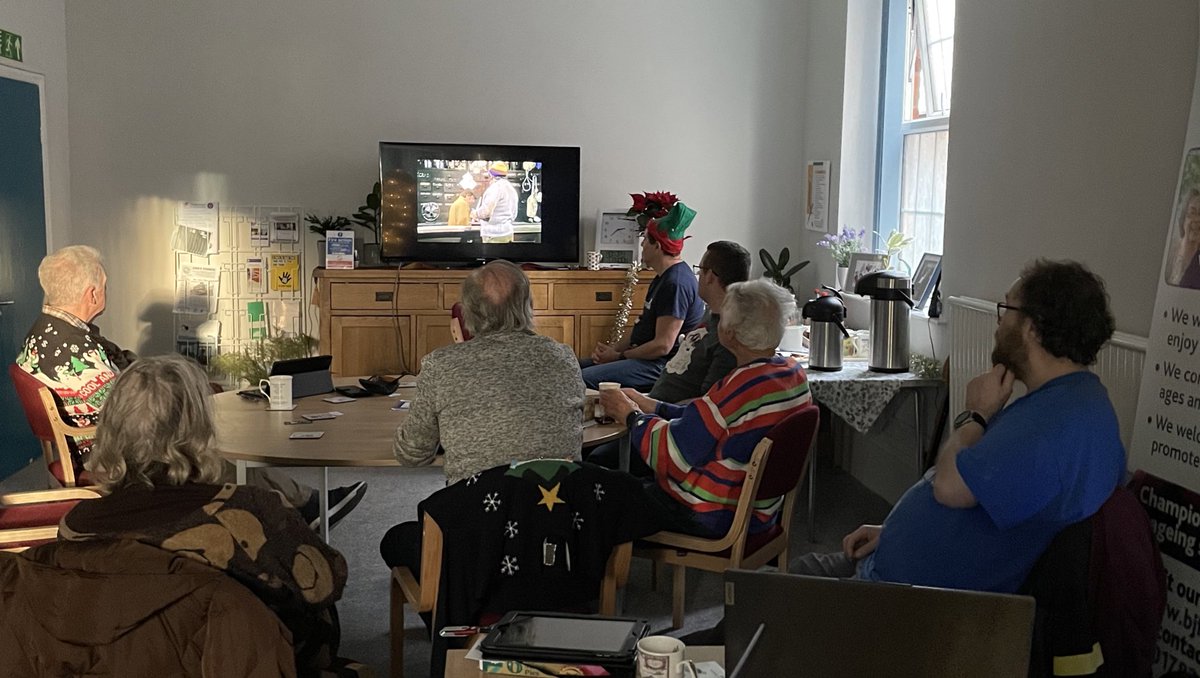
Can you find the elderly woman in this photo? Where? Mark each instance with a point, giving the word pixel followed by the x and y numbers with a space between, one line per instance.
pixel 697 451
pixel 156 463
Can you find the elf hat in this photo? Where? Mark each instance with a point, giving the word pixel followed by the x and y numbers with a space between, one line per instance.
pixel 668 231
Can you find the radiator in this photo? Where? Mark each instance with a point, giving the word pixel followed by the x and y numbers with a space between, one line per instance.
pixel 972 330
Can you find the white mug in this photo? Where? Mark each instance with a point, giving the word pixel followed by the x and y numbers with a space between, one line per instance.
pixel 662 657
pixel 280 397
pixel 593 260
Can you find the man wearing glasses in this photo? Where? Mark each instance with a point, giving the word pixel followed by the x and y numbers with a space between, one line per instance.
pixel 1010 477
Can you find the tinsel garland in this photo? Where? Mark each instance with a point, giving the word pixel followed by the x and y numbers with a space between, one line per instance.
pixel 622 317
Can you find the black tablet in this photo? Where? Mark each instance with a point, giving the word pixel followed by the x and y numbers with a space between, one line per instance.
pixel 569 638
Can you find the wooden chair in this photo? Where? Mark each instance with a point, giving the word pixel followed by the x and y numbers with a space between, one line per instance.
pixel 31 518
pixel 406 590
pixel 458 328
pixel 776 467
pixel 48 426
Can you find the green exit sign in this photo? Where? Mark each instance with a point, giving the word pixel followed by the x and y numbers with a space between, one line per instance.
pixel 10 46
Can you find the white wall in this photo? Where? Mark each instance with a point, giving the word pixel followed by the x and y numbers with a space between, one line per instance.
pixel 1065 141
pixel 282 101
pixel 43 30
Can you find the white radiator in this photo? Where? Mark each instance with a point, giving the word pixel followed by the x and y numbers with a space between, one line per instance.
pixel 972 334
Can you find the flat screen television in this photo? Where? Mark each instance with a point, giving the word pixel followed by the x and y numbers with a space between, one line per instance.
pixel 477 202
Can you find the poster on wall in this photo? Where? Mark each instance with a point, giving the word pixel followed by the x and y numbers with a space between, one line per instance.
pixel 816 209
pixel 196 229
pixel 1166 435
pixel 285 227
pixel 285 272
pixel 196 289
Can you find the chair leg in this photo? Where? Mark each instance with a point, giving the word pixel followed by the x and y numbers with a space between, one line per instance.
pixel 678 592
pixel 396 632
pixel 783 560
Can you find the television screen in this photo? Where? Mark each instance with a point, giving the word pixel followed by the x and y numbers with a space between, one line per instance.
pixel 463 202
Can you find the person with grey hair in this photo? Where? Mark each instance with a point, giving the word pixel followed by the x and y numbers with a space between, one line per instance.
pixel 156 461
pixel 506 395
pixel 65 351
pixel 696 453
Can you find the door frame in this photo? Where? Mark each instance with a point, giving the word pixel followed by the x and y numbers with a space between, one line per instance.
pixel 38 80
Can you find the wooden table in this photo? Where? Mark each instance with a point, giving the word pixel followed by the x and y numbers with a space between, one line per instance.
pixel 457 665
pixel 250 435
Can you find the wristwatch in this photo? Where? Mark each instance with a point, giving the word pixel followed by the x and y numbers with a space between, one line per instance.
pixel 631 419
pixel 968 416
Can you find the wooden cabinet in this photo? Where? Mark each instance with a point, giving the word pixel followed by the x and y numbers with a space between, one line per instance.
pixel 382 320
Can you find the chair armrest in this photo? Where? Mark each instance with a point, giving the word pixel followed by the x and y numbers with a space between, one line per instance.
pixel 25 535
pixel 690 543
pixel 431 564
pixel 46 496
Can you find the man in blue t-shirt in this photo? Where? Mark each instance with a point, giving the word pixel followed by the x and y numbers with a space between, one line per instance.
pixel 1009 478
pixel 673 307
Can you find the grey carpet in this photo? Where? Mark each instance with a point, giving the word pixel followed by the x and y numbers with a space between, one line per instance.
pixel 843 504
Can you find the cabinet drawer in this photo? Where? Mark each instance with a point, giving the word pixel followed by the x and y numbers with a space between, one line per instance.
pixel 379 296
pixel 452 292
pixel 587 297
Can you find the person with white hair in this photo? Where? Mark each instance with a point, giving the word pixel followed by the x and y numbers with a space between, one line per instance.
pixel 498 206
pixel 697 452
pixel 65 351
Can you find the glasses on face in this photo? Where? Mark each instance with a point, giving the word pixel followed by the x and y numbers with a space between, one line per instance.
pixel 1002 307
pixel 698 269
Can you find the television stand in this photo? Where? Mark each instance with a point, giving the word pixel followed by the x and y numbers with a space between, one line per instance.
pixel 383 321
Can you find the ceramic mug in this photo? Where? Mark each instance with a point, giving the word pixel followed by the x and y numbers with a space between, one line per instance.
pixel 662 657
pixel 593 260
pixel 280 395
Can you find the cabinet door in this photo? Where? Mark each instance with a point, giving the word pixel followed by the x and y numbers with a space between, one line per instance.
pixel 560 328
pixel 363 346
pixel 594 329
pixel 433 332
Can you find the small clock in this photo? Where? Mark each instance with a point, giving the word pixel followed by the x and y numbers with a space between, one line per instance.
pixel 617 239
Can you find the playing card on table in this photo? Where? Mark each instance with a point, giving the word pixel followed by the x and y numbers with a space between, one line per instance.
pixel 306 435
pixel 321 415
pixel 338 399
pixel 402 405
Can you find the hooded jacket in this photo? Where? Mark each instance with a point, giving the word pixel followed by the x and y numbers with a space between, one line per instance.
pixel 122 608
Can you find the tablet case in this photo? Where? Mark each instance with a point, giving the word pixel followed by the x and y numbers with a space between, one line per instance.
pixel 497 645
pixel 310 376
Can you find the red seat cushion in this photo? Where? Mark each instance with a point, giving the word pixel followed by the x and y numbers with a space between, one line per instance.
pixel 82 478
pixel 47 514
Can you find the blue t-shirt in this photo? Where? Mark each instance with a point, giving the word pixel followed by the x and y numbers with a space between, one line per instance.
pixel 1048 460
pixel 673 293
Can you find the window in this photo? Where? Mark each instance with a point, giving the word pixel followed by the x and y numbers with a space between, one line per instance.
pixel 914 129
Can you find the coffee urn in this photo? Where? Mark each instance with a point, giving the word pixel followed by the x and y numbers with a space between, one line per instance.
pixel 890 304
pixel 827 315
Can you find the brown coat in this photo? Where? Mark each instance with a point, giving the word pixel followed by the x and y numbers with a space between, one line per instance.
pixel 121 608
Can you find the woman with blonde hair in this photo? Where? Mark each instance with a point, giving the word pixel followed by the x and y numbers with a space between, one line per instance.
pixel 157 465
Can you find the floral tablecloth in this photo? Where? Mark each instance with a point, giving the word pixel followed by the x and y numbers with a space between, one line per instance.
pixel 858 395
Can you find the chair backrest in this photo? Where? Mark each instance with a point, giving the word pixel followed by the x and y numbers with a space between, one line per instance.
pixel 29 391
pixel 458 327
pixel 790 440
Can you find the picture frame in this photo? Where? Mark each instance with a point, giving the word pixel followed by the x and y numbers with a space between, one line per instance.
pixel 860 264
pixel 925 278
pixel 617 238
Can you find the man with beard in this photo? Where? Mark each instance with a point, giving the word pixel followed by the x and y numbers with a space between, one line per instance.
pixel 1009 477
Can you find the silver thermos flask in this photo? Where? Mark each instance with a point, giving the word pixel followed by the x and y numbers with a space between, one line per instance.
pixel 890 304
pixel 826 314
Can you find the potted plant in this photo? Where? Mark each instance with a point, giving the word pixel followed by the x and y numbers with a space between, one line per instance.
pixel 895 243
pixel 253 362
pixel 840 247
pixel 776 270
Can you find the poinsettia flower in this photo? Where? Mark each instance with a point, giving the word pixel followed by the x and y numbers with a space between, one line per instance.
pixel 639 202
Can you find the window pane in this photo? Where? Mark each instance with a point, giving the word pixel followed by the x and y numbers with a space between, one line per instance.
pixel 929 58
pixel 923 194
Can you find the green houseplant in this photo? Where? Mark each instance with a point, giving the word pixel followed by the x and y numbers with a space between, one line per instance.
pixel 323 225
pixel 776 269
pixel 367 215
pixel 252 362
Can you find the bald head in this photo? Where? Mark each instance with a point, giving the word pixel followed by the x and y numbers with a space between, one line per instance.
pixel 495 298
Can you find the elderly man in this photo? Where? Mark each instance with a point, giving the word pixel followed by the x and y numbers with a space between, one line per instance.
pixel 66 352
pixel 673 307
pixel 698 452
pixel 506 395
pixel 1010 477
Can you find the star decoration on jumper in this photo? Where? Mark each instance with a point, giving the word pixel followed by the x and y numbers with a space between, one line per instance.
pixel 473 479
pixel 510 529
pixel 550 497
pixel 509 565
pixel 491 502
pixel 599 492
pixel 577 521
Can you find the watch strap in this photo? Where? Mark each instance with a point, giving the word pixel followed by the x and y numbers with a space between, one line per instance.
pixel 967 416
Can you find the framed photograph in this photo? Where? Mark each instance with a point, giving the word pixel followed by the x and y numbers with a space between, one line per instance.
pixel 925 278
pixel 862 263
pixel 617 239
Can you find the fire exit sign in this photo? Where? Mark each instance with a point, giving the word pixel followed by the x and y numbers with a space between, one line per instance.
pixel 10 46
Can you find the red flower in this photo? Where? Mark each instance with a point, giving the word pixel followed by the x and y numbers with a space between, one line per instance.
pixel 651 205
pixel 639 203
